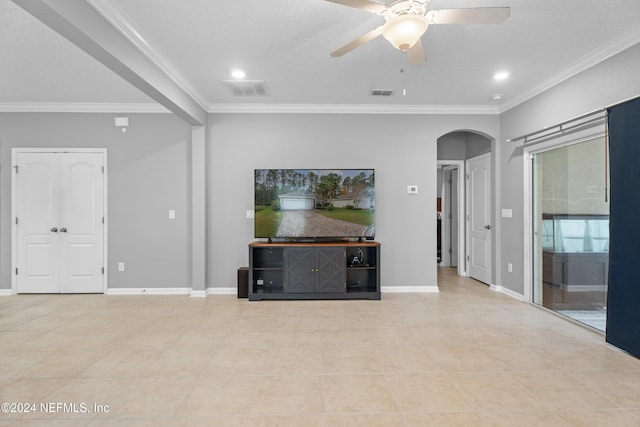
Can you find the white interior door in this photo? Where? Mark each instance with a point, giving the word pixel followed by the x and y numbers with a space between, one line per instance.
pixel 60 222
pixel 81 223
pixel 479 218
pixel 38 266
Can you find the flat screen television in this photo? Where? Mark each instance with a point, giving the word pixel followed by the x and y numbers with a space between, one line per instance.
pixel 301 204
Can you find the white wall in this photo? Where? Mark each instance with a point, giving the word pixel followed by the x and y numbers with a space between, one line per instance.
pixel 612 81
pixel 401 148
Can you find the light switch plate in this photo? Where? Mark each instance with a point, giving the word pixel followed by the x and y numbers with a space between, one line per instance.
pixel 507 213
pixel 412 189
pixel 172 214
pixel 250 214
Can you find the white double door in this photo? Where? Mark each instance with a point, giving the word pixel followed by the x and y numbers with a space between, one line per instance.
pixel 59 225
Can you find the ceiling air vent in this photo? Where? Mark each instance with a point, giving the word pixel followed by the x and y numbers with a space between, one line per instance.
pixel 381 92
pixel 247 87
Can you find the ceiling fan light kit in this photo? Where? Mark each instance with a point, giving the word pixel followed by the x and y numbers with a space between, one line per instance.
pixel 408 20
pixel 403 31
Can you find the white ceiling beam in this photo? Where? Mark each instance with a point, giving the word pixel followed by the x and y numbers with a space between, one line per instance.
pixel 81 24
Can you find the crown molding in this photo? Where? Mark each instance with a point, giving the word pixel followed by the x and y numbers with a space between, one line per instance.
pixel 353 109
pixel 593 58
pixel 80 107
pixel 120 21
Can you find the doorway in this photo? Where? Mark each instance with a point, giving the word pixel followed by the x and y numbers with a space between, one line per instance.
pixel 454 149
pixel 570 218
pixel 450 211
pixel 58 220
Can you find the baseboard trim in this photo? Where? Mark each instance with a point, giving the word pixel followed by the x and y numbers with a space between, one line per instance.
pixel 409 289
pixel 233 291
pixel 508 292
pixel 156 291
pixel 148 291
pixel 222 291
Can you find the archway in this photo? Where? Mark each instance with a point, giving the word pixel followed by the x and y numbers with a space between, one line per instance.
pixel 454 149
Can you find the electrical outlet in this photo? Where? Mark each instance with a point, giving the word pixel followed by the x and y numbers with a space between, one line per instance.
pixel 172 214
pixel 510 267
pixel 121 266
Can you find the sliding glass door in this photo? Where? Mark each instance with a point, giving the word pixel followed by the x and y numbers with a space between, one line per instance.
pixel 571 231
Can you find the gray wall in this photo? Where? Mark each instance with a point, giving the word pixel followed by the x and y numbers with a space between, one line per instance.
pixel 611 81
pixel 401 148
pixel 477 145
pixel 462 146
pixel 148 174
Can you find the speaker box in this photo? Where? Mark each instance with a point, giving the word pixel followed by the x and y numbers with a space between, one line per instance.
pixel 243 282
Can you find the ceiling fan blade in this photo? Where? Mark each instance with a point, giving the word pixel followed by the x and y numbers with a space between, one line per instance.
pixel 357 42
pixel 367 5
pixel 476 15
pixel 416 54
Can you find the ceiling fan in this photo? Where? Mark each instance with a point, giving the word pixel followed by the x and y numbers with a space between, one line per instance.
pixel 408 20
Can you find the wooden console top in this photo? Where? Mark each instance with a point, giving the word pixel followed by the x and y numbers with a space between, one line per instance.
pixel 366 243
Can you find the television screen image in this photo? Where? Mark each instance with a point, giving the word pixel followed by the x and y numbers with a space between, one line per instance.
pixel 314 203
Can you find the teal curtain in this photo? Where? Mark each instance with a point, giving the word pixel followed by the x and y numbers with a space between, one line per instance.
pixel 623 302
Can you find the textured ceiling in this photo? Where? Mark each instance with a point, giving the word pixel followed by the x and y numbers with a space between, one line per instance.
pixel 287 44
pixel 37 65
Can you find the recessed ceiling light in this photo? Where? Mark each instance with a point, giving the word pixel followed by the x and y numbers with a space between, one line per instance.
pixel 238 74
pixel 501 75
pixel 497 97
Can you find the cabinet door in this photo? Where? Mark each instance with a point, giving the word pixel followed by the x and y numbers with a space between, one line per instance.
pixel 299 270
pixel 331 269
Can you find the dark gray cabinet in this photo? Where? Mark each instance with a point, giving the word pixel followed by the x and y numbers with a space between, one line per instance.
pixel 314 271
pixel 310 269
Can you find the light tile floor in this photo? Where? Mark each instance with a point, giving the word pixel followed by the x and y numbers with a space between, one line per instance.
pixel 466 356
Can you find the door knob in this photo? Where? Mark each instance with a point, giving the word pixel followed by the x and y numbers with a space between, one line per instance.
pixel 487 227
pixel 54 229
pixel 63 230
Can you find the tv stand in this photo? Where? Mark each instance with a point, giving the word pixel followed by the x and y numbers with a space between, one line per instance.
pixel 313 270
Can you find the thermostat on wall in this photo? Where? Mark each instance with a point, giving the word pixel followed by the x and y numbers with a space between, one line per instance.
pixel 412 189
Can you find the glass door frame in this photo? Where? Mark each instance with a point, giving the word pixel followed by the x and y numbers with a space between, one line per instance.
pixel 528 152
